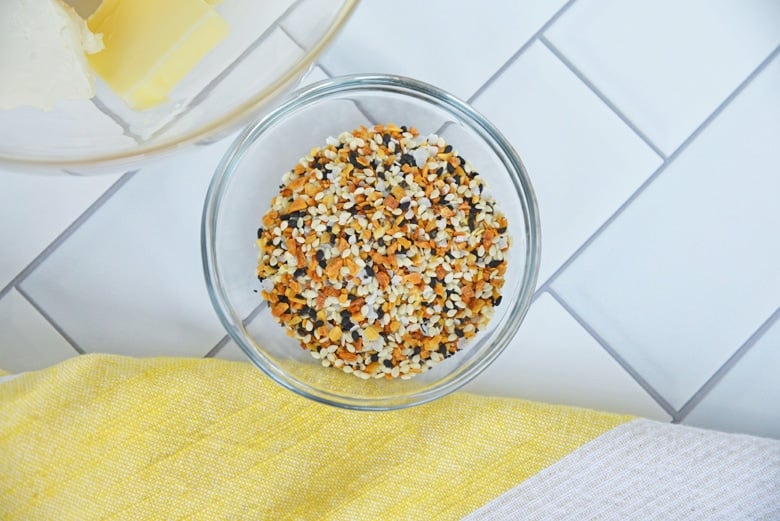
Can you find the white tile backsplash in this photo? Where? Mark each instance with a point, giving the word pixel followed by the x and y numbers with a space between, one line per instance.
pixel 553 359
pixel 27 341
pixel 50 205
pixel 689 271
pixel 456 46
pixel 667 64
pixel 582 160
pixel 747 399
pixel 134 268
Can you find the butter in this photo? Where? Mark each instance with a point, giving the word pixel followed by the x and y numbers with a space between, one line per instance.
pixel 43 46
pixel 150 45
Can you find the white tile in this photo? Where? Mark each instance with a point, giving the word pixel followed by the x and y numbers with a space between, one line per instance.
pixel 314 75
pixel 231 351
pixel 688 272
pixel 27 341
pixel 35 209
pixel 582 160
pixel 129 281
pixel 454 45
pixel 748 397
pixel 667 64
pixel 553 359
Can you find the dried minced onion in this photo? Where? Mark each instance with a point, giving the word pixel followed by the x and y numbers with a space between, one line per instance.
pixel 382 254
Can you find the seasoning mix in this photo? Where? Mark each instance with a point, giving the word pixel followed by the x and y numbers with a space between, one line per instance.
pixel 382 255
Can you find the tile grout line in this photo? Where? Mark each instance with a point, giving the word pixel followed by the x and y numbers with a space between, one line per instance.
pixel 604 99
pixel 534 37
pixel 62 237
pixel 649 389
pixel 225 339
pixel 639 191
pixel 217 347
pixel 53 323
pixel 727 366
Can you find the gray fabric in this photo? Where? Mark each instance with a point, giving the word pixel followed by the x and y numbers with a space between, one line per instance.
pixel 652 471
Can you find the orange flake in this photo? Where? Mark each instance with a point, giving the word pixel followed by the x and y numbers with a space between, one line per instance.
pixel 335 334
pixel 279 309
pixel 334 266
pixel 383 278
pixel 297 205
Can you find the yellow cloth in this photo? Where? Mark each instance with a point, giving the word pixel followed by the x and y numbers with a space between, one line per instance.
pixel 107 437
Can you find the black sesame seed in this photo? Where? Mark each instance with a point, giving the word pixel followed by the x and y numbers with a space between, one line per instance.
pixel 450 168
pixel 462 161
pixel 356 336
pixel 416 350
pixel 283 298
pixel 374 357
pixel 404 128
pixel 380 312
pixel 346 324
pixel 502 229
pixel 353 160
pixel 369 271
pixel 472 218
pixel 448 149
pixel 443 349
pixel 497 301
pixel 300 272
pixel 495 263
pixel 318 324
pixel 403 206
pixel 386 138
pixel 259 233
pixel 408 159
pixel 459 333
pixel 387 363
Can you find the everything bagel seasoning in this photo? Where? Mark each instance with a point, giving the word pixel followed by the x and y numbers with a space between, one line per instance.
pixel 381 254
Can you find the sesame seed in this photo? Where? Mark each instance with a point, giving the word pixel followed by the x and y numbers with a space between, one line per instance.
pixel 385 265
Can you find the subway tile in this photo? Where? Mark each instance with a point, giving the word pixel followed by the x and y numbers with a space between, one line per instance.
pixel 36 209
pixel 454 45
pixel 129 280
pixel 582 160
pixel 666 64
pixel 689 271
pixel 553 359
pixel 27 341
pixel 746 400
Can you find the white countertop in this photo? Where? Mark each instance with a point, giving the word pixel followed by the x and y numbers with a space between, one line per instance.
pixel 650 130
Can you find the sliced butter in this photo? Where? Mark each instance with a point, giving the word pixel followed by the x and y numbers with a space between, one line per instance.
pixel 150 45
pixel 42 54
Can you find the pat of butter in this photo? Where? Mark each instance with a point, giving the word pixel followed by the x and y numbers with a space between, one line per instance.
pixel 43 46
pixel 150 45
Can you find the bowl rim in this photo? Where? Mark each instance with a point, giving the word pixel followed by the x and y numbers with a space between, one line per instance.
pixel 230 121
pixel 490 135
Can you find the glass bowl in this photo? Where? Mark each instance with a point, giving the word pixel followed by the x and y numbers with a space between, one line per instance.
pixel 270 46
pixel 248 178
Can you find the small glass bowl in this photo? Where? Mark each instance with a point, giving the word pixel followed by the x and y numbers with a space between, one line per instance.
pixel 248 178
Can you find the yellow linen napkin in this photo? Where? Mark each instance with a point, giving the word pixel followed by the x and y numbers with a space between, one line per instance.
pixel 108 437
